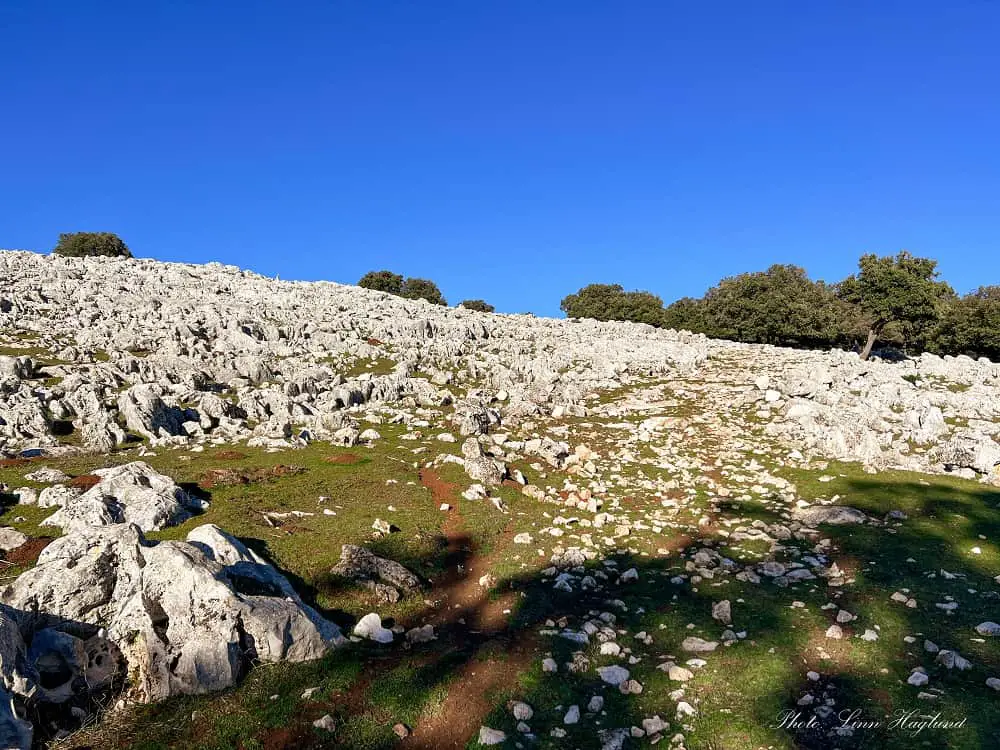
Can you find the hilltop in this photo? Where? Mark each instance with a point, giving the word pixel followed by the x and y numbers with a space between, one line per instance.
pixel 440 526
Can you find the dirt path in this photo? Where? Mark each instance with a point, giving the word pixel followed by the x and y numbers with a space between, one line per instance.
pixel 463 599
pixel 475 622
pixel 471 697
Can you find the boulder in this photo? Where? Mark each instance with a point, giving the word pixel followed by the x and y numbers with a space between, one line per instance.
pixel 385 577
pixel 836 515
pixel 480 467
pixel 132 493
pixel 184 622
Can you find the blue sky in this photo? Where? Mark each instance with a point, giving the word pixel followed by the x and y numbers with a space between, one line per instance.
pixel 512 151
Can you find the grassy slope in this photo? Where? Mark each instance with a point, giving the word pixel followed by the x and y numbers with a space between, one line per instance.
pixel 738 694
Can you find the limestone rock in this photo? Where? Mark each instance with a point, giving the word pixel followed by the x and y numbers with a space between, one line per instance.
pixel 134 493
pixel 183 622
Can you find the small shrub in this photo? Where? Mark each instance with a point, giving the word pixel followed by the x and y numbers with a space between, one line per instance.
pixel 90 244
pixel 393 283
pixel 423 289
pixel 383 281
pixel 478 304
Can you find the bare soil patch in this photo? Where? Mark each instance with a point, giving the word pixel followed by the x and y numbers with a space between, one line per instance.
pixel 84 481
pixel 232 477
pixel 343 458
pixel 229 455
pixel 27 554
pixel 468 701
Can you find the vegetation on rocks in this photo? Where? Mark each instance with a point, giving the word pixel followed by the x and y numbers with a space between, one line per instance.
pixel 410 288
pixel 478 305
pixel 897 301
pixel 90 244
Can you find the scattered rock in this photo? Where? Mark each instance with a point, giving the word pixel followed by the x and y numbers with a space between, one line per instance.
pixel 326 723
pixel 488 736
pixel 370 627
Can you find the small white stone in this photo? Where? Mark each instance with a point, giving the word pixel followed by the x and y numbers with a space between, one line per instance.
pixel 918 679
pixel 613 675
pixel 370 626
pixel 488 736
pixel 988 628
pixel 522 711
pixel 325 723
pixel 685 709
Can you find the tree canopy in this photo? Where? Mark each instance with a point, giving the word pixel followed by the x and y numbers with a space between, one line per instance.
pixel 971 325
pixel 894 289
pixel 896 300
pixel 778 306
pixel 91 244
pixel 477 304
pixel 612 302
pixel 383 281
pixel 423 289
pixel 411 288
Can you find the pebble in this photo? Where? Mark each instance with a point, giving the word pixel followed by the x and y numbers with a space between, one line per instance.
pixel 522 711
pixel 489 736
pixel 918 678
pixel 325 723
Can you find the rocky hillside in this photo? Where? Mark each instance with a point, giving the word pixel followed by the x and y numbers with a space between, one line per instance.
pixel 206 470
pixel 126 350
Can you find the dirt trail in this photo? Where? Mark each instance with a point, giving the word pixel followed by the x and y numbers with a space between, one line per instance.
pixel 471 697
pixel 474 622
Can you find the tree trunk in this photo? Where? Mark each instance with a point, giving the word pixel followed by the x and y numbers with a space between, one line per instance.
pixel 867 351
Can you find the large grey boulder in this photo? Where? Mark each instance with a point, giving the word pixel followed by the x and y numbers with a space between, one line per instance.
pixel 15 731
pixel 69 666
pixel 221 547
pixel 96 425
pixel 385 577
pixel 474 419
pixel 184 622
pixel 57 496
pixel 11 538
pixel 970 451
pixel 17 368
pixel 145 412
pixel 132 493
pixel 479 466
pixel 927 423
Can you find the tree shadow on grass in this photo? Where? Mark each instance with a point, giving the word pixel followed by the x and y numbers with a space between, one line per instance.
pixel 928 557
pixel 446 689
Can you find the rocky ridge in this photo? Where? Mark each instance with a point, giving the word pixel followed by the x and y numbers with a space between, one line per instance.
pixel 175 354
pixel 166 366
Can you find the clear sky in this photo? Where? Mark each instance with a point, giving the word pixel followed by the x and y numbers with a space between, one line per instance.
pixel 512 151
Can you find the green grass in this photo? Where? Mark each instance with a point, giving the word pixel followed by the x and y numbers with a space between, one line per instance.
pixel 741 691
